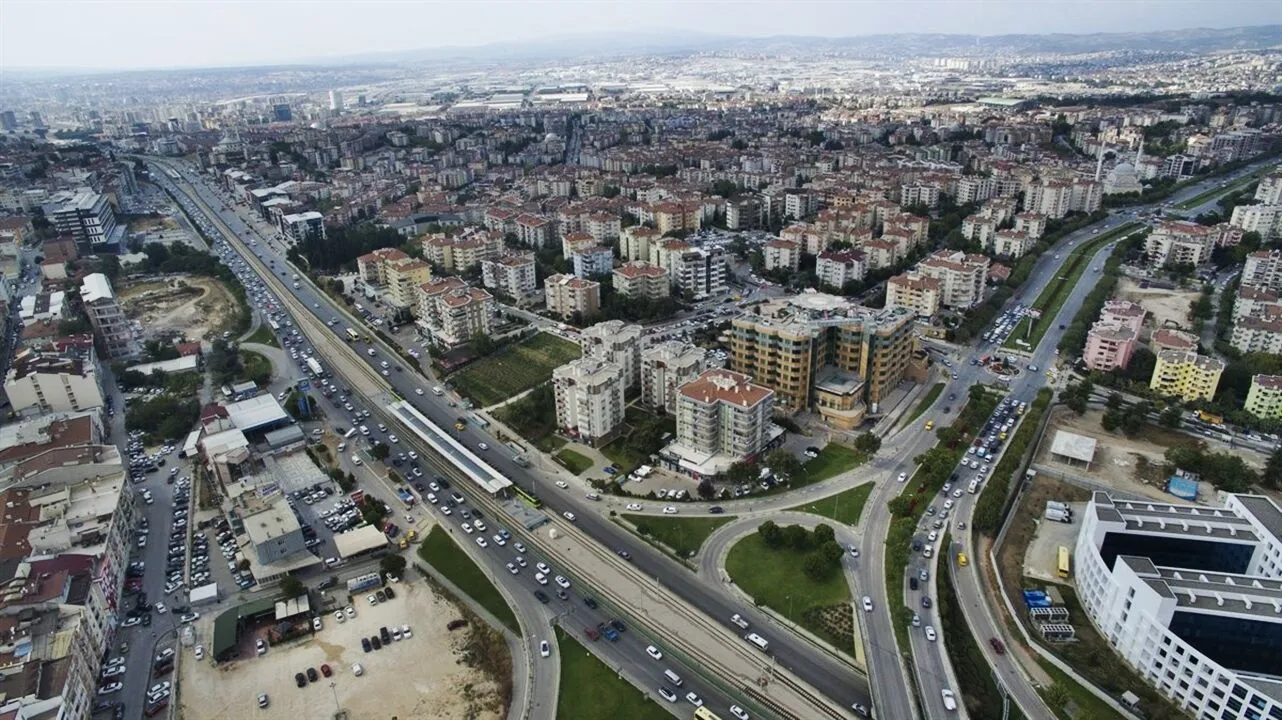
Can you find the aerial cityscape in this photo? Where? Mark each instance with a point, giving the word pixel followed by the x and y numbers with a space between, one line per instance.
pixel 909 361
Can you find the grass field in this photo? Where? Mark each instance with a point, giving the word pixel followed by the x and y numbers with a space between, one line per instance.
pixel 440 551
pixel 833 460
pixel 684 535
pixel 255 367
pixel 1230 188
pixel 1057 291
pixel 775 578
pixel 931 396
pixel 590 689
pixel 263 336
pixel 514 370
pixel 574 462
pixel 1066 687
pixel 844 507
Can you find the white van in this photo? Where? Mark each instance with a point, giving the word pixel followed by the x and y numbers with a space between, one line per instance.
pixel 350 434
pixel 356 460
pixel 365 430
pixel 761 643
pixel 672 677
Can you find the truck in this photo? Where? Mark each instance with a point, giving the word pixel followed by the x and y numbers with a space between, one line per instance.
pixel 314 365
pixel 1209 418
pixel 1058 515
pixel 362 582
pixel 1057 505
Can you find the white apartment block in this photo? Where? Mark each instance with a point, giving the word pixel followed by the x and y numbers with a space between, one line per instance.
pixel 457 253
pixel 1256 301
pixel 701 272
pixel 512 275
pixel 110 324
pixel 961 277
pixel 1180 243
pixel 635 242
pixel 1057 198
pixel 1269 191
pixel 88 217
pixel 617 342
pixel 1011 243
pixel 464 313
pixel 1257 334
pixel 912 292
pixel 1189 596
pixel 722 418
pixel 782 254
pixel 1263 219
pixel 666 367
pixel 640 279
pixel 973 189
pixel 835 268
pixel 566 295
pixel 979 228
pixel 1263 268
pixel 1034 224
pixel 39 384
pixel 589 398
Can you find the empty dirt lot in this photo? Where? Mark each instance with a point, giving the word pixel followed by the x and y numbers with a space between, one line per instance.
pixel 421 677
pixel 1167 308
pixel 1117 457
pixel 195 306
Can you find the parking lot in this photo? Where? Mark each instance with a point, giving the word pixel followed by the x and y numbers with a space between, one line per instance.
pixel 419 677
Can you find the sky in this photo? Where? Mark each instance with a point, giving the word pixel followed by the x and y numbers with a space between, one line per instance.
pixel 129 34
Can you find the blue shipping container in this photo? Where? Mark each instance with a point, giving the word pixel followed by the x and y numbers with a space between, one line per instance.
pixel 1182 487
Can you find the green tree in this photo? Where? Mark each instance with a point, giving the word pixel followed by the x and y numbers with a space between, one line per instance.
pixel 1115 401
pixel 1171 417
pixel 1272 475
pixel 900 505
pixel 785 464
pixel 868 443
pixel 796 537
pixel 1111 421
pixel 380 451
pixel 392 565
pixel 771 534
pixel 705 489
pixel 816 566
pixel 823 534
pixel 291 587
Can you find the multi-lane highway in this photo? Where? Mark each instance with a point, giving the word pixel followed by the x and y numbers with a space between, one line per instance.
pixel 829 677
pixel 893 695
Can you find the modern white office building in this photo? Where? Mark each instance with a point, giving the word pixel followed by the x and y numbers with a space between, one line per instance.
pixel 1191 597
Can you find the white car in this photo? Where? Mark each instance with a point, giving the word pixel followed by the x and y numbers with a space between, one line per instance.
pixel 405 632
pixel 483 446
pixel 562 484
pixel 568 515
pixel 634 506
pixel 653 652
pixel 481 541
pixel 545 650
pixel 339 616
pixel 738 712
pixel 694 699
pixel 200 652
pixel 933 536
pixel 357 670
pixel 867 604
pixel 540 578
pixel 418 391
pixel 513 569
pixel 930 633
pixel 669 510
pixel 903 476
pixel 560 580
pixel 543 568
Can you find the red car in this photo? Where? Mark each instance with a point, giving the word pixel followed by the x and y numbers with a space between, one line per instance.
pixel 326 671
pixel 998 647
pixel 592 633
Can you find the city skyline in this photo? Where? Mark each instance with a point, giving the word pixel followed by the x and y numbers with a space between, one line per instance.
pixel 200 34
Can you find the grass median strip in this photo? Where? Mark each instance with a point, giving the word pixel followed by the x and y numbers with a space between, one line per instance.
pixel 1229 188
pixel 591 689
pixel 845 507
pixel 931 396
pixel 441 552
pixel 683 535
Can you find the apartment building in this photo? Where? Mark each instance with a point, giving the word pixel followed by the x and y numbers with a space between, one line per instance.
pixel 782 255
pixel 535 231
pixel 456 253
pixel 1257 334
pixel 575 242
pixel 404 277
pixel 1032 224
pixel 604 228
pixel 1180 243
pixel 835 268
pixel 1109 346
pixel 303 226
pixel 1010 243
pixel 617 342
pixel 961 277
pixel 1057 198
pixel 641 280
pixel 921 296
pixel 665 367
pixel 589 399
pixel 1264 399
pixel 635 242
pixel 1263 269
pixel 272 527
pixel 512 275
pixel 826 353
pixel 1269 190
pixel 463 313
pixel 1123 313
pixel 1263 219
pixel 1186 375
pixel 1167 339
pixel 979 228
pixel 567 296
pixel 722 418
pixel 1256 301
pixel 40 383
pixel 426 310
pixel 743 213
pixel 593 261
pixel 1188 596
pixel 700 272
pixel 87 217
pixel 112 328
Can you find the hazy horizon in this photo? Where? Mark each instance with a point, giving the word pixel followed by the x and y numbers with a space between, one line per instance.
pixel 142 34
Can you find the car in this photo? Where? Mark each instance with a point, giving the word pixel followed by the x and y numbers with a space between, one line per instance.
pixel 482 446
pixel 867 601
pixel 512 568
pixel 482 542
pixel 670 510
pixel 519 560
pixel 634 507
pixel 300 680
pixel 262 700
pixel 916 622
pixel 350 611
pixel 562 484
pixel 560 580
pixel 405 632
pixel 738 712
pixel 653 652
pixel 903 476
pixel 997 645
pixel 517 546
pixel 930 633
pixel 326 671
pixel 545 650
pixel 357 669
pixel 371 600
pixel 543 568
pixel 418 391
pixel 542 597
pixel 694 699
pixel 260 646
pixel 376 641
pixel 200 652
pixel 667 694
pixel 949 699
pixel 365 644
pixel 925 601
pixel 570 516
pixel 396 632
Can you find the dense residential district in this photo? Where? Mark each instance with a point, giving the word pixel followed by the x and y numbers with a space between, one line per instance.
pixel 908 387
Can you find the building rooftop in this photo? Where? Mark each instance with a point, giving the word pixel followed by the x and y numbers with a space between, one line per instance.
pixel 1072 445
pixel 725 386
pixel 96 287
pixel 256 412
pixel 275 521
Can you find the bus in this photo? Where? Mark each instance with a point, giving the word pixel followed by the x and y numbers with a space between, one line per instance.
pixel 1064 566
pixel 352 335
pixel 527 498
pixel 703 713
pixel 275 326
